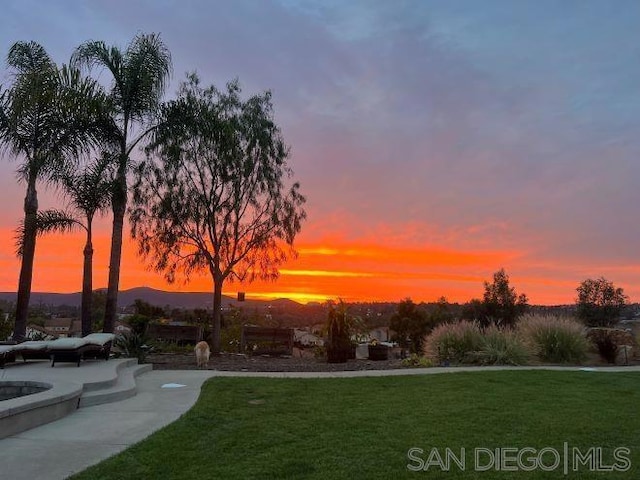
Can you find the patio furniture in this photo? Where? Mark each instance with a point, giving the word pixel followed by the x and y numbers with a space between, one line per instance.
pixel 33 350
pixel 102 340
pixel 7 354
pixel 67 350
pixel 95 345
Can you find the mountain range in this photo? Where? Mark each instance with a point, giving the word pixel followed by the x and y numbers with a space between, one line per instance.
pixel 186 300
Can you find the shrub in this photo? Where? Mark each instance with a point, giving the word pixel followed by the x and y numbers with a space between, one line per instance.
pixel 415 360
pixel 412 324
pixel 138 323
pixel 501 305
pixel 133 345
pixel 341 328
pixel 6 326
pixel 605 343
pixel 231 338
pixel 454 342
pixel 554 339
pixel 599 302
pixel 231 330
pixel 502 347
pixel 38 336
pixel 609 341
pixel 171 347
pixel 319 351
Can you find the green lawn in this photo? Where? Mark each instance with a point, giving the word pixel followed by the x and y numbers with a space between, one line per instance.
pixel 362 428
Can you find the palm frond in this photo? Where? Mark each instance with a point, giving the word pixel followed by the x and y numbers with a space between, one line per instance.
pixel 51 116
pixel 147 68
pixel 29 57
pixel 47 221
pixel 140 75
pixel 85 110
pixel 96 54
pixel 89 190
pixel 4 119
pixel 28 104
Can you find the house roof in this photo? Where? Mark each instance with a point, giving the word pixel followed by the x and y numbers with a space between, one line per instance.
pixel 58 322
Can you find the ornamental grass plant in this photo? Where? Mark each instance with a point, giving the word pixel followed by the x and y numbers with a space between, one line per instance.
pixel 454 342
pixel 502 346
pixel 554 339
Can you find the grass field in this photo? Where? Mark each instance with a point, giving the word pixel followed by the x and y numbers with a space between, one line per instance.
pixel 363 428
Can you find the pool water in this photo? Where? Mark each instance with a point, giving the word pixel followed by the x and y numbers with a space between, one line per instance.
pixel 9 390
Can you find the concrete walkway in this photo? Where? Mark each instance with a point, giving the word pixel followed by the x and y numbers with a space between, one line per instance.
pixel 92 434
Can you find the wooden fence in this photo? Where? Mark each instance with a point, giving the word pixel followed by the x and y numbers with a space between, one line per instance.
pixel 180 334
pixel 267 341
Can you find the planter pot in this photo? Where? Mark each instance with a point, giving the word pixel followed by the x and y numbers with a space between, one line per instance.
pixel 378 352
pixel 338 355
pixel 362 351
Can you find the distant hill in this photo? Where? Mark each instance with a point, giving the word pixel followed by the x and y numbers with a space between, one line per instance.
pixel 187 300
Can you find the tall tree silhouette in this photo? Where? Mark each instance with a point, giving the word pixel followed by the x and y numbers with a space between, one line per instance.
pixel 47 116
pixel 215 195
pixel 139 76
pixel 89 193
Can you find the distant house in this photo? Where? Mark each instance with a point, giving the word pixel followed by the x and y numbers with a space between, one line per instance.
pixel 71 327
pixel 60 327
pixel 306 338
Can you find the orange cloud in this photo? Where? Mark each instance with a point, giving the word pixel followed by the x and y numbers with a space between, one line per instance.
pixel 349 270
pixel 323 273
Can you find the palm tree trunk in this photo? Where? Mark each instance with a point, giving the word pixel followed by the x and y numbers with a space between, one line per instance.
pixel 87 283
pixel 28 255
pixel 217 307
pixel 119 207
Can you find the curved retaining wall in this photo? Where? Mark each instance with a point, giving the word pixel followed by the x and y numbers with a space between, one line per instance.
pixel 22 413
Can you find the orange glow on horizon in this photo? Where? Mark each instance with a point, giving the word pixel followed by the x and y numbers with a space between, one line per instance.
pixel 323 273
pixel 295 296
pixel 354 272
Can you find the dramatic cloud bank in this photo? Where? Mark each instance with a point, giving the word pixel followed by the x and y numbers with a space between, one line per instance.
pixel 436 141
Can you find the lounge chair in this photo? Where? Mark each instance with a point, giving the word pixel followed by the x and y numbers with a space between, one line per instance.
pixel 33 350
pixel 66 350
pixel 7 354
pixel 95 345
pixel 103 341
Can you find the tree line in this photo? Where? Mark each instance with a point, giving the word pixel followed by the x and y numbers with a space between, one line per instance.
pixel 213 192
pixel 599 303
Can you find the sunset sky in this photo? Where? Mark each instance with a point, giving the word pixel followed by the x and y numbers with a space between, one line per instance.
pixel 436 141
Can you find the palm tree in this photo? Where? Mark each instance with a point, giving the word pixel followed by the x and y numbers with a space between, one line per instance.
pixel 140 74
pixel 89 193
pixel 46 116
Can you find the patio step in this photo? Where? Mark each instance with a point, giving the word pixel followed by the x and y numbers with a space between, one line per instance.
pixel 91 386
pixel 121 387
